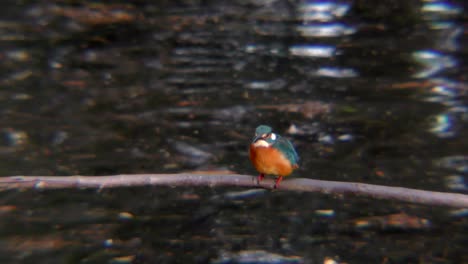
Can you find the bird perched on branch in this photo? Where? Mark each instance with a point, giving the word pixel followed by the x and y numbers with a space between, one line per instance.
pixel 272 154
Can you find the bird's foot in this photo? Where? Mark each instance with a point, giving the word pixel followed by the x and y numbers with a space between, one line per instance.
pixel 260 177
pixel 277 182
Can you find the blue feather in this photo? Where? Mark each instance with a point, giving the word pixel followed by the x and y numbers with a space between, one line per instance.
pixel 285 146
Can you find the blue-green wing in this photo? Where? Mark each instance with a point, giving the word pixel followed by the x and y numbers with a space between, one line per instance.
pixel 285 146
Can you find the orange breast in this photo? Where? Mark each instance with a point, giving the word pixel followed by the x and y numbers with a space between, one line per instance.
pixel 270 161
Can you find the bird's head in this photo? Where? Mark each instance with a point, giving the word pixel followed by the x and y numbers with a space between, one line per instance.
pixel 264 137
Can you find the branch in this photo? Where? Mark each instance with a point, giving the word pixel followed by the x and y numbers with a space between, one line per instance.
pixel 210 180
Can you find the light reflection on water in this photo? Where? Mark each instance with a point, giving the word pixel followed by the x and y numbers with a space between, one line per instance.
pixel 313 51
pixel 433 62
pixel 321 11
pixel 325 30
pixel 436 62
pixel 450 94
pixel 435 9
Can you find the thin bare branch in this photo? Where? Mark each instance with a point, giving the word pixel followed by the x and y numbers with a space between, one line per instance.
pixel 186 179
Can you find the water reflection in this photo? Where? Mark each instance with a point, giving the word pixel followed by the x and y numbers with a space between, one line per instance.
pixel 450 94
pixel 441 15
pixel 442 126
pixel 434 9
pixel 334 72
pixel 325 30
pixel 433 63
pixel 457 168
pixel 266 85
pixel 312 51
pixel 14 138
pixel 320 19
pixel 321 11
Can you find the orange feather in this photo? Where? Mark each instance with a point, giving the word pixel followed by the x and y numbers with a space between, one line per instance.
pixel 269 160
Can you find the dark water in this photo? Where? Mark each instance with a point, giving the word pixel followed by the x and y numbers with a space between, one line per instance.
pixel 368 92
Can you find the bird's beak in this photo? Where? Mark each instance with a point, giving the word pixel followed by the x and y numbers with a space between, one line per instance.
pixel 257 137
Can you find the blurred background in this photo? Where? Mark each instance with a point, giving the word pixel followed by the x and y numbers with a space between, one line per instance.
pixel 367 91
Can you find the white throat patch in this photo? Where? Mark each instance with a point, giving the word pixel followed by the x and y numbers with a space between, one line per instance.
pixel 261 143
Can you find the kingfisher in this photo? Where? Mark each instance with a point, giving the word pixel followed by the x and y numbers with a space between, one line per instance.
pixel 272 154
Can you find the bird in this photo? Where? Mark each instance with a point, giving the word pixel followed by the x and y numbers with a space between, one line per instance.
pixel 272 154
